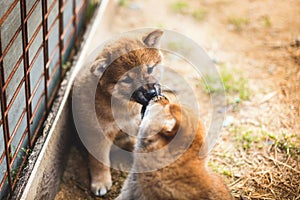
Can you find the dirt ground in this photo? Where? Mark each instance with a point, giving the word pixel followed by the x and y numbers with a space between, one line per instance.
pixel 256 46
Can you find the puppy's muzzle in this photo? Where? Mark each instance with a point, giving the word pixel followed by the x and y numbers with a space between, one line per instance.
pixel 145 93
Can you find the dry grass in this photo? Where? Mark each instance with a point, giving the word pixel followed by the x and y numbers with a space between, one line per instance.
pixel 268 167
pixel 268 178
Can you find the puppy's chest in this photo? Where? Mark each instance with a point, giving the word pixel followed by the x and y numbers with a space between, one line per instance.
pixel 121 117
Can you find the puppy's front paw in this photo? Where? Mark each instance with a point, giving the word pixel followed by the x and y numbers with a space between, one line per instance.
pixel 101 184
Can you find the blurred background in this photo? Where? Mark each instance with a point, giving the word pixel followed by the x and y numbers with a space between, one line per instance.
pixel 255 45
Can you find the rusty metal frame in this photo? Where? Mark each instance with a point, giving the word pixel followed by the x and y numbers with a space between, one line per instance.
pixel 65 34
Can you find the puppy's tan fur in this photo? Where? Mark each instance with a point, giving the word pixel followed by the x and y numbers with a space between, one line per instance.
pixel 187 178
pixel 123 66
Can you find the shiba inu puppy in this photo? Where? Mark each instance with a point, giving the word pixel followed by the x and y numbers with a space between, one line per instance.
pixel 185 178
pixel 126 69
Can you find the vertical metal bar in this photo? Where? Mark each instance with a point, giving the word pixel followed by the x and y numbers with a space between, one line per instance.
pixel 61 42
pixel 5 120
pixel 74 21
pixel 26 65
pixel 45 47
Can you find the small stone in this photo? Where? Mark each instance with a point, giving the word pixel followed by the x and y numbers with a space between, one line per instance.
pixel 134 6
pixel 228 121
pixel 237 100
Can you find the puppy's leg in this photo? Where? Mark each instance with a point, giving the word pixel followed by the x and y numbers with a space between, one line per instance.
pixel 100 174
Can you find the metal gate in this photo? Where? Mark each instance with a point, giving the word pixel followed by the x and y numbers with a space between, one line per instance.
pixel 37 37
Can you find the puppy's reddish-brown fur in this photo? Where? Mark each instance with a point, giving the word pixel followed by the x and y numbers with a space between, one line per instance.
pixel 187 178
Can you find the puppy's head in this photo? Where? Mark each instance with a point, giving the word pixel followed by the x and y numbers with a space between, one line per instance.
pixel 160 124
pixel 129 68
pixel 164 122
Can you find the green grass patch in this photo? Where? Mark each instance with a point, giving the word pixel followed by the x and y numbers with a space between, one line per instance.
pixel 220 169
pixel 257 138
pixel 161 25
pixel 246 138
pixel 200 14
pixel 123 3
pixel 283 141
pixel 231 79
pixel 180 7
pixel 239 23
pixel 267 21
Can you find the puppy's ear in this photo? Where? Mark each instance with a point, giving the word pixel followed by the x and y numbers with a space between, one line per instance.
pixel 172 124
pixel 98 67
pixel 152 39
pixel 175 111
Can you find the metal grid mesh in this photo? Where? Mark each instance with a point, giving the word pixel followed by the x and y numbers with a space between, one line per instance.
pixel 36 38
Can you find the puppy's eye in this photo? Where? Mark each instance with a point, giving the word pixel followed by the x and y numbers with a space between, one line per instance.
pixel 127 80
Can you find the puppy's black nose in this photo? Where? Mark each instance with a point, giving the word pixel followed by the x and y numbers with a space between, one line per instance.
pixel 152 90
pixel 145 93
pixel 150 94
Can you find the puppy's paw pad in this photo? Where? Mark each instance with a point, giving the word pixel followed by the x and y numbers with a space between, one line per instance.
pixel 103 191
pixel 100 188
pixel 100 191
